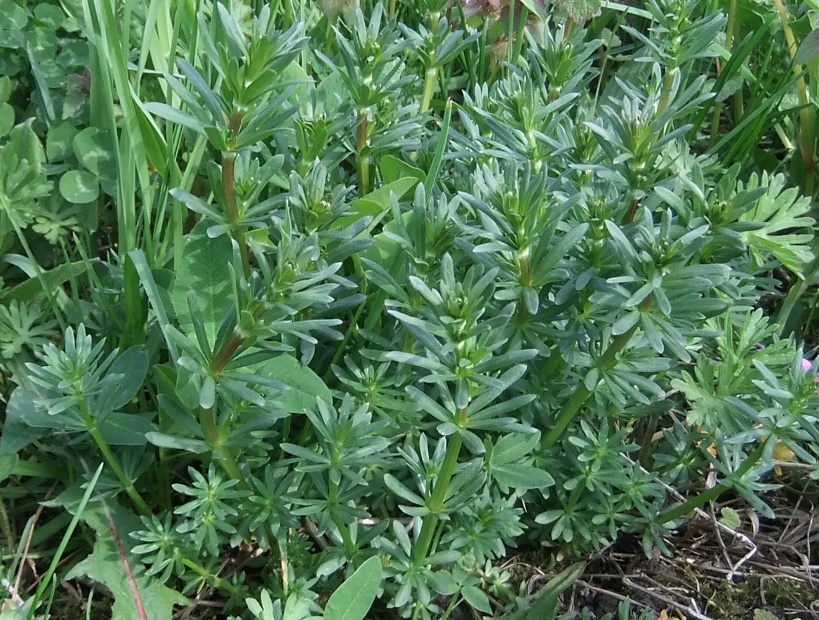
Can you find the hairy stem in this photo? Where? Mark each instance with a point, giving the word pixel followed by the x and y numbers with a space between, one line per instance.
pixel 232 208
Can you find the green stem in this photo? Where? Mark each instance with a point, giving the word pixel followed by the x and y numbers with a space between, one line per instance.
pixel 363 160
pixel 345 341
pixel 207 423
pixel 711 494
pixel 436 502
pixel 429 86
pixel 344 532
pixel 215 580
pixel 806 114
pixel 665 97
pixel 457 598
pixel 796 291
pixel 582 393
pixel 232 208
pixel 140 504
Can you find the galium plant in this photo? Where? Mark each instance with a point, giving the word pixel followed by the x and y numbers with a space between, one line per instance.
pixel 384 315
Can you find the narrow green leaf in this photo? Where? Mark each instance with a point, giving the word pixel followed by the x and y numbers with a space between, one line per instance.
pixel 155 298
pixel 78 514
pixel 46 282
pixel 438 158
pixel 173 115
pixel 163 440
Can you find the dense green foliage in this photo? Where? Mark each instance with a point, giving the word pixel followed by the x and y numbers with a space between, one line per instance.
pixel 296 293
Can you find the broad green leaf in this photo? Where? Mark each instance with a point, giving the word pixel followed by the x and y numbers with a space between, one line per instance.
pixel 5 88
pixel 331 93
pixel 60 141
pixel 730 518
pixel 79 187
pixel 809 49
pixel 8 461
pixel 376 203
pixel 386 251
pixel 26 145
pixel 106 566
pixel 295 73
pixel 14 16
pixel 17 432
pixel 394 169
pixel 477 599
pixel 513 447
pixel 521 476
pixel 305 385
pixel 94 150
pixel 6 118
pixel 49 15
pixel 353 598
pixel 787 223
pixel 125 429
pixel 204 270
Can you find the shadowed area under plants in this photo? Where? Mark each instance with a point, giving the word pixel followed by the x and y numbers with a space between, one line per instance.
pixel 735 570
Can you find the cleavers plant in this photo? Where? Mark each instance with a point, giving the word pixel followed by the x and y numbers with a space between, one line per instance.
pixel 387 300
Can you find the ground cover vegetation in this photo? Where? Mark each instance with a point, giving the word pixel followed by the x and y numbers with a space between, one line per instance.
pixel 317 309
